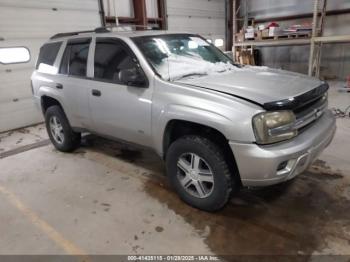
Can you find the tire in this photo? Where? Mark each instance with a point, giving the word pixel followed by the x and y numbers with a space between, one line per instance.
pixel 195 187
pixel 57 123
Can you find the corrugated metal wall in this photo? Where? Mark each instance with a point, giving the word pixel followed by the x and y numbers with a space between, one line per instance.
pixel 335 57
pixel 29 23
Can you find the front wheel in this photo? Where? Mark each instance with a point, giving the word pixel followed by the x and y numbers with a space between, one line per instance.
pixel 60 132
pixel 198 171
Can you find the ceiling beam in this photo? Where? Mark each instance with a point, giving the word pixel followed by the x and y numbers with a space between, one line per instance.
pixel 300 16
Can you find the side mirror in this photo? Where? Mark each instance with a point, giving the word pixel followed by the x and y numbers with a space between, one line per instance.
pixel 132 77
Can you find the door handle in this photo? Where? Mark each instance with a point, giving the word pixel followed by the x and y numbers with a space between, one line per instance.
pixel 96 92
pixel 59 86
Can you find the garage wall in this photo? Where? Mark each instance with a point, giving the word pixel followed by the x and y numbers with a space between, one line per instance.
pixel 119 8
pixel 125 8
pixel 335 57
pixel 30 23
pixel 205 17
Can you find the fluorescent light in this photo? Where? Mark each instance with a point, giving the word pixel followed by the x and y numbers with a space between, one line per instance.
pixel 11 55
pixel 219 42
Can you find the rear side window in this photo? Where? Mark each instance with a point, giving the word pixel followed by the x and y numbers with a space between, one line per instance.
pixel 74 60
pixel 48 53
pixel 111 56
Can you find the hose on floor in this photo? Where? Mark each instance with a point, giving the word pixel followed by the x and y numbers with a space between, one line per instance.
pixel 341 113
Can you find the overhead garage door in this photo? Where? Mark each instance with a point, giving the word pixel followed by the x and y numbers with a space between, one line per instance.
pixel 28 24
pixel 204 17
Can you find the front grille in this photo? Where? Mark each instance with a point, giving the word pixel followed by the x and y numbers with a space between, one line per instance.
pixel 309 113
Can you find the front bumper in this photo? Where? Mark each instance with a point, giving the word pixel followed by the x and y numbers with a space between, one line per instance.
pixel 272 164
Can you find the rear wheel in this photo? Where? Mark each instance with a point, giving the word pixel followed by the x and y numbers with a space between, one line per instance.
pixel 198 171
pixel 60 132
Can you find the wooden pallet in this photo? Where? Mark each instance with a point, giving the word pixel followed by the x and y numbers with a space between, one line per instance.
pixel 289 36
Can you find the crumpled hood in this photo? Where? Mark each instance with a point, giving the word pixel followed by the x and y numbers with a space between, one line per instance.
pixel 258 84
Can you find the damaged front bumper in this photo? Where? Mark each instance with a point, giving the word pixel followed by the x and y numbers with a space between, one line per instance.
pixel 272 164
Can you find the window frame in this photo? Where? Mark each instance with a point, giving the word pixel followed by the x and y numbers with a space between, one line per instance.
pixel 64 46
pixel 57 55
pixel 14 63
pixel 129 51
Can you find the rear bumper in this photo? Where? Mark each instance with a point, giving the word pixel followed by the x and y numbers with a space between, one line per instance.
pixel 263 165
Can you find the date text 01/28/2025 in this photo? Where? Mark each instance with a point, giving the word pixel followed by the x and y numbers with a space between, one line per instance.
pixel 173 258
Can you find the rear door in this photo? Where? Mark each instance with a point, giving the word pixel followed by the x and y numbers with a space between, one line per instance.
pixel 72 79
pixel 119 110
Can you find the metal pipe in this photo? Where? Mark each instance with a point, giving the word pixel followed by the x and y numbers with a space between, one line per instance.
pixel 300 41
pixel 115 13
pixel 301 16
pixel 227 36
pixel 102 12
pixel 333 39
pixel 312 46
pixel 161 4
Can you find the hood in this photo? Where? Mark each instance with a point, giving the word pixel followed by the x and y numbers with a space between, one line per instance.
pixel 261 85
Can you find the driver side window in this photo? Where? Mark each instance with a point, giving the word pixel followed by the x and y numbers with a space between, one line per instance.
pixel 111 57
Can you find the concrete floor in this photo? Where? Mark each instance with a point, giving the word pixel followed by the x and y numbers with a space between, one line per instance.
pixel 108 198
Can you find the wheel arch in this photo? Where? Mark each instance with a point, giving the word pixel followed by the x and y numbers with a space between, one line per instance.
pixel 177 128
pixel 47 101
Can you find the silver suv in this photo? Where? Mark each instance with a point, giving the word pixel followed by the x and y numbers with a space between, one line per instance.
pixel 218 125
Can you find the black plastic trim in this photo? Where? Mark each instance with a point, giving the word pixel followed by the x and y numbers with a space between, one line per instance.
pixel 70 34
pixel 298 101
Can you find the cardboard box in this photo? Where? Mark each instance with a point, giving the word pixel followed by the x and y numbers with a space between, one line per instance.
pixel 274 31
pixel 249 29
pixel 265 33
pixel 245 57
pixel 259 35
pixel 261 27
pixel 249 35
pixel 240 37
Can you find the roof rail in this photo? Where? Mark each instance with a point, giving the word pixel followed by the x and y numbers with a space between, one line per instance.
pixel 109 28
pixel 105 29
pixel 70 34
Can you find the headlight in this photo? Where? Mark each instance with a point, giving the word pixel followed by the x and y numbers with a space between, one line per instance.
pixel 272 127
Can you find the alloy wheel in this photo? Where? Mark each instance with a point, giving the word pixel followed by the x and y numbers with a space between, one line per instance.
pixel 195 175
pixel 56 130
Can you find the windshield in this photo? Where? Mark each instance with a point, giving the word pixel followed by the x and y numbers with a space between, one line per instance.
pixel 176 56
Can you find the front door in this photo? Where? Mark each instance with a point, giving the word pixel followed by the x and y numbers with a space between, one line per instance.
pixel 118 109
